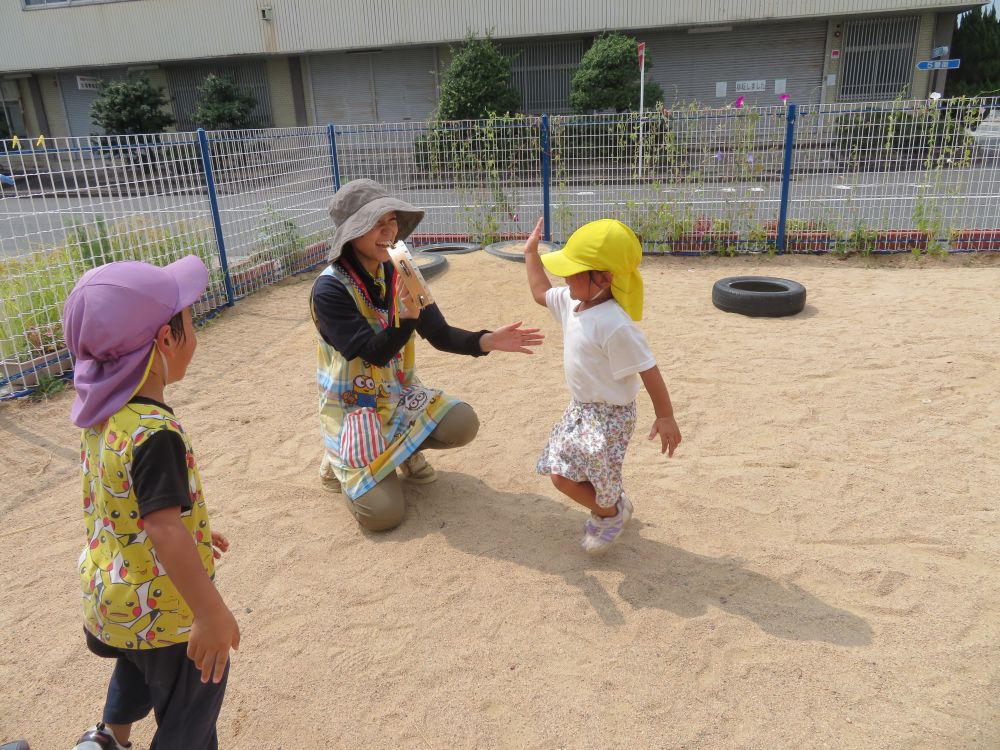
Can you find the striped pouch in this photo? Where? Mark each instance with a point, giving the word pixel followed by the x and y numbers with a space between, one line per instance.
pixel 361 440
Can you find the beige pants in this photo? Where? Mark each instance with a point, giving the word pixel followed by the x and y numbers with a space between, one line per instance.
pixel 383 506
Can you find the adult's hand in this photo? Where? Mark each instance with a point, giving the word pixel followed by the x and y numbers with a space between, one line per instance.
pixel 408 308
pixel 512 338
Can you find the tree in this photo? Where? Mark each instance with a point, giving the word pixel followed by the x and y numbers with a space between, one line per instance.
pixel 477 83
pixel 132 106
pixel 222 105
pixel 976 43
pixel 608 77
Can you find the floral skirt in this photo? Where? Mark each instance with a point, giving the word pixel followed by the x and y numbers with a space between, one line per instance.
pixel 588 445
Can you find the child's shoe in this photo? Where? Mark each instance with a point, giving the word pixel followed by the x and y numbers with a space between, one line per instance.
pixel 416 469
pixel 329 479
pixel 99 738
pixel 600 533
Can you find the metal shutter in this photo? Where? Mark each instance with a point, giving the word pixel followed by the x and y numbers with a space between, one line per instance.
pixel 688 66
pixel 249 75
pixel 405 84
pixel 342 88
pixel 77 100
pixel 543 73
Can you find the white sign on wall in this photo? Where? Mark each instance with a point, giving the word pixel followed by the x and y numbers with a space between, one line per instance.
pixel 720 89
pixel 88 83
pixel 743 87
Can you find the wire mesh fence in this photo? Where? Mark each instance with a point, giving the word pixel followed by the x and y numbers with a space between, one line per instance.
pixel 885 177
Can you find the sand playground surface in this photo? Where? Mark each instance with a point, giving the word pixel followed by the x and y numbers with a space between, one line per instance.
pixel 817 567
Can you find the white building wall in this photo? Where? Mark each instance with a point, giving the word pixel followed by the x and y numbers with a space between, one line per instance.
pixel 117 33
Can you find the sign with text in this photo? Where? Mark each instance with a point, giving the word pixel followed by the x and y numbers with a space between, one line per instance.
pixel 743 87
pixel 939 64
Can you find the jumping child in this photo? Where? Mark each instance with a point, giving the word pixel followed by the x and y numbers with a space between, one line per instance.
pixel 605 356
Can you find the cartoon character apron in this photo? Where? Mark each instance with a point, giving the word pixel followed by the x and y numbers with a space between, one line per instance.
pixel 373 418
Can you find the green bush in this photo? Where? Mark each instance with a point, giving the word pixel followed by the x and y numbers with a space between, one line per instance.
pixel 976 43
pixel 222 105
pixel 131 107
pixel 608 77
pixel 477 83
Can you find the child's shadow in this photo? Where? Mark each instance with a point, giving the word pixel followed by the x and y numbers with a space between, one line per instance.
pixel 543 534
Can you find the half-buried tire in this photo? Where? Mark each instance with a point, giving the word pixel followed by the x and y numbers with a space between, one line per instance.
pixel 759 296
pixel 451 248
pixel 429 264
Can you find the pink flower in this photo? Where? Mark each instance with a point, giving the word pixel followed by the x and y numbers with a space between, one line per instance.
pixel 738 103
pixel 784 98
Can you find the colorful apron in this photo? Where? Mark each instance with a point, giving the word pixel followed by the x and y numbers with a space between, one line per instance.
pixel 373 418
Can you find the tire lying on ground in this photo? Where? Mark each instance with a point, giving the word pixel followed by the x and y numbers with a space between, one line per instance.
pixel 429 264
pixel 759 296
pixel 451 248
pixel 514 249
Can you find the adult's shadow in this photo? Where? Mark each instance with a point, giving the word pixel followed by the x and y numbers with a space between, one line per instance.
pixel 541 533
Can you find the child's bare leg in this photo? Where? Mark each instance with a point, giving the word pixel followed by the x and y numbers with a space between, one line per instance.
pixel 583 493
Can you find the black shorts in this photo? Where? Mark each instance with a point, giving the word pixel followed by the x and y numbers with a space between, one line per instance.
pixel 166 682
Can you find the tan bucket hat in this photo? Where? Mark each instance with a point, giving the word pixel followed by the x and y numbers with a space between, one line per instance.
pixel 358 206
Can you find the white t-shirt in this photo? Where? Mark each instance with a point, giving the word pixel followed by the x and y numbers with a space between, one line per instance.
pixel 603 350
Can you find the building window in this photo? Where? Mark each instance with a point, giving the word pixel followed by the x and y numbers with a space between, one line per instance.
pixel 878 58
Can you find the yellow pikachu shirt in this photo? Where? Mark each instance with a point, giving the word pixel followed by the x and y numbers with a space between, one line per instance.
pixel 137 462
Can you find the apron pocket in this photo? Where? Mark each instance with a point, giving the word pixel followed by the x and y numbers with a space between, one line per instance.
pixel 361 440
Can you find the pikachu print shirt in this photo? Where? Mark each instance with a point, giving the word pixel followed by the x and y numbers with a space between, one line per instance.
pixel 137 462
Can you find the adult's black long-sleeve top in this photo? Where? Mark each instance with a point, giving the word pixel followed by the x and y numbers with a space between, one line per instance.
pixel 343 327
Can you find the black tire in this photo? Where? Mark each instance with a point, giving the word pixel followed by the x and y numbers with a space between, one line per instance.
pixel 759 296
pixel 450 248
pixel 429 264
pixel 497 249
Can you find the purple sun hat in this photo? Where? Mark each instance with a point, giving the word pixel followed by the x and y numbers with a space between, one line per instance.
pixel 110 320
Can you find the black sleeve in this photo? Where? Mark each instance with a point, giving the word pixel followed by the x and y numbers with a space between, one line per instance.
pixel 159 473
pixel 433 327
pixel 343 327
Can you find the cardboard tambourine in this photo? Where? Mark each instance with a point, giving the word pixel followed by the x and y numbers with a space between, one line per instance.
pixel 410 275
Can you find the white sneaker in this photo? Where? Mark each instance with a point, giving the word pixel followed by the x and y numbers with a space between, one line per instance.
pixel 328 477
pixel 600 533
pixel 416 469
pixel 99 737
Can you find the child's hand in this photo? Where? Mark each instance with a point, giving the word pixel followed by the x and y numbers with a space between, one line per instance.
pixel 670 434
pixel 212 635
pixel 511 338
pixel 531 246
pixel 220 544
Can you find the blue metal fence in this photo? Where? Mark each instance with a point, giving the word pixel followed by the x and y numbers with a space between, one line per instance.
pixel 916 177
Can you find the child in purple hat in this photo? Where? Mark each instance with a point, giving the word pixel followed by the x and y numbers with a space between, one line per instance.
pixel 147 569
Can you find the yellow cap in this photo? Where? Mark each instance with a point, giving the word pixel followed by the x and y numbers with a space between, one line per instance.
pixel 604 245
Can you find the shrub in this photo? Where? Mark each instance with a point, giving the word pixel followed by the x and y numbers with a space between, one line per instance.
pixel 130 107
pixel 223 105
pixel 608 77
pixel 477 83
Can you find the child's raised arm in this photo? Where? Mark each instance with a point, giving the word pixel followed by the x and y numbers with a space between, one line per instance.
pixel 537 279
pixel 664 424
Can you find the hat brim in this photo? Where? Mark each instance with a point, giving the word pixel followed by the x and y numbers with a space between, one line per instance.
pixel 558 264
pixel 365 218
pixel 102 388
pixel 191 277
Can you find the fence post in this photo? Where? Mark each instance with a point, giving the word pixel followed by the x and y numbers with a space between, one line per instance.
pixel 331 135
pixel 220 240
pixel 546 178
pixel 786 176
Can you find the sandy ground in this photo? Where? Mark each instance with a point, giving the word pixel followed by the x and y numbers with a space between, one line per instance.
pixel 816 567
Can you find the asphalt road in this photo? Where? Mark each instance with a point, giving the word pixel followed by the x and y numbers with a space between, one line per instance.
pixel 968 198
